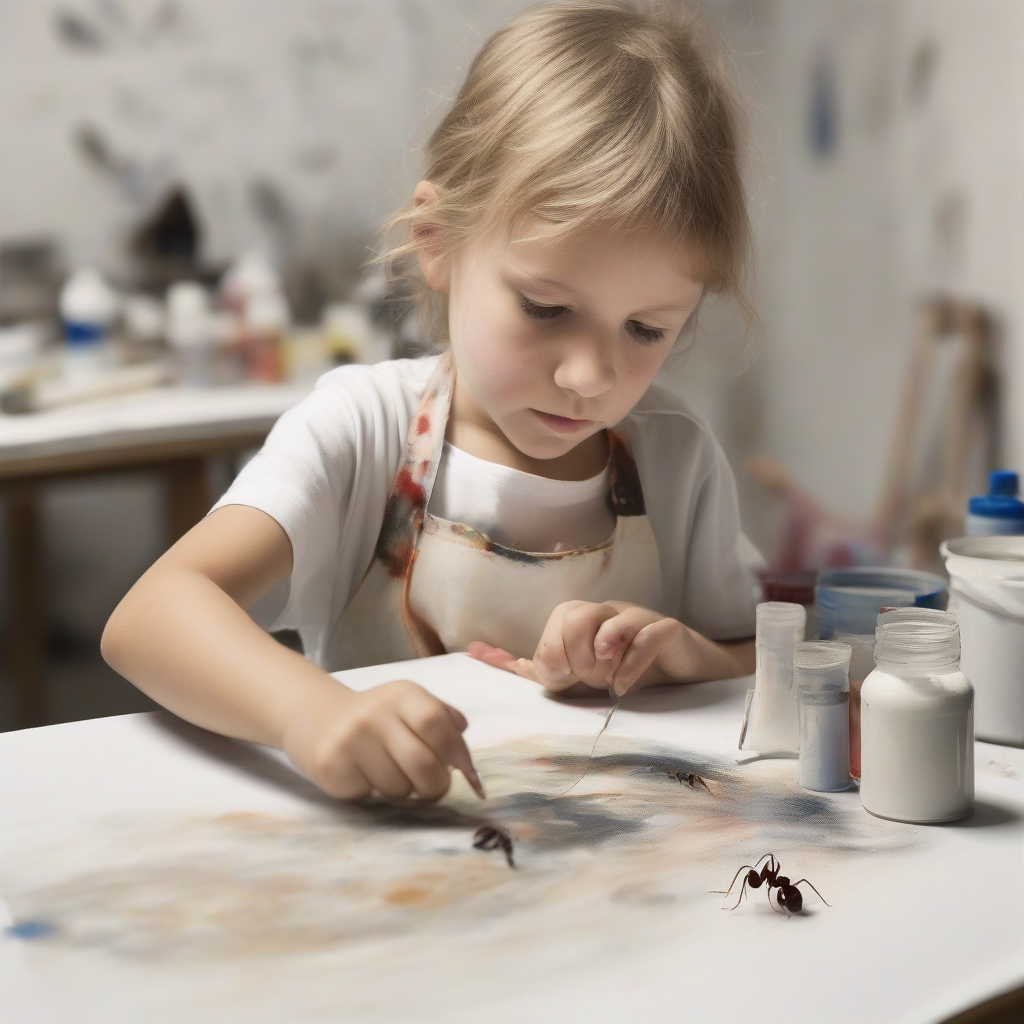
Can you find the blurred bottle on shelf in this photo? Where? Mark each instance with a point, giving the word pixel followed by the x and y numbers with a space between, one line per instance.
pixel 350 335
pixel 253 294
pixel 190 332
pixel 88 307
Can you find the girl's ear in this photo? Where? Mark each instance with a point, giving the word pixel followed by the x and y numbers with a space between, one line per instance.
pixel 427 239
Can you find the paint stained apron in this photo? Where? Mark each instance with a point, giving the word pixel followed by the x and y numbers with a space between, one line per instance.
pixel 435 586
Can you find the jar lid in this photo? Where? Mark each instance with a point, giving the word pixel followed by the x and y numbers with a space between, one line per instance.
pixel 996 506
pixel 822 665
pixel 917 636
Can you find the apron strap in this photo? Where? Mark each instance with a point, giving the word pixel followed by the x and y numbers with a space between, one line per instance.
pixel 410 492
pixel 626 494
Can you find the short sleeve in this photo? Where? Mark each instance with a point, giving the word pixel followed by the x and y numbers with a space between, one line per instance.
pixel 708 565
pixel 720 589
pixel 324 474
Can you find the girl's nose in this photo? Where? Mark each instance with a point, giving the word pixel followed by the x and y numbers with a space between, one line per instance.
pixel 585 367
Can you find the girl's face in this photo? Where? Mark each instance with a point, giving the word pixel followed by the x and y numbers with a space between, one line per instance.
pixel 556 340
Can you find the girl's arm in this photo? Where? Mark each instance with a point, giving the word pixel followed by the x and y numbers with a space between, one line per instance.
pixel 182 635
pixel 622 646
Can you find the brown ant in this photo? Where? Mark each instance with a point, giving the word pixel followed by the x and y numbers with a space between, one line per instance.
pixel 788 897
pixel 692 779
pixel 490 837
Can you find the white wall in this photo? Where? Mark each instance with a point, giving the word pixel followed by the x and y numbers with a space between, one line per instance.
pixel 325 98
pixel 848 241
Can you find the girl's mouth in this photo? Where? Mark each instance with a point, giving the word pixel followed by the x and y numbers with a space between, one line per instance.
pixel 561 424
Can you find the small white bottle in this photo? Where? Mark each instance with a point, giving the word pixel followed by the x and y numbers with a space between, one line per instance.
pixel 917 721
pixel 822 677
pixel 88 306
pixel 189 330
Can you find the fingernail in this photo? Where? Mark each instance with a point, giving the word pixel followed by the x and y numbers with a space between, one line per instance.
pixel 476 782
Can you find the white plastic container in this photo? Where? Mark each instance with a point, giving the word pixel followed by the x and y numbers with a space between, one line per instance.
pixel 822 678
pixel 986 583
pixel 771 723
pixel 917 726
pixel 88 306
pixel 190 331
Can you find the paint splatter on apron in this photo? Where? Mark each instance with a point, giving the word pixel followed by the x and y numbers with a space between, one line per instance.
pixel 435 586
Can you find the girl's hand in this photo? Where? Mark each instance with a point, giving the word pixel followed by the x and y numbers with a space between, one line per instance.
pixel 396 739
pixel 615 644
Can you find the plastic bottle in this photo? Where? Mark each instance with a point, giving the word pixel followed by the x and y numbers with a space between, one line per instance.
pixel 770 721
pixel 189 330
pixel 821 675
pixel 88 306
pixel 917 721
pixel 999 512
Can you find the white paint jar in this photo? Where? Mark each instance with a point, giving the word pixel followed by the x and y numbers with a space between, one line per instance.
pixel 821 674
pixel 917 721
pixel 986 583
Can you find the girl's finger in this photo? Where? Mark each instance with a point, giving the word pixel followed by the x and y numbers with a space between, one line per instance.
pixel 645 646
pixel 617 632
pixel 493 656
pixel 550 660
pixel 430 720
pixel 377 765
pixel 580 626
pixel 498 658
pixel 348 783
pixel 417 761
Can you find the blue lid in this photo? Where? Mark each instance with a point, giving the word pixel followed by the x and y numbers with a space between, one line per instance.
pixel 996 506
pixel 1003 481
pixel 76 333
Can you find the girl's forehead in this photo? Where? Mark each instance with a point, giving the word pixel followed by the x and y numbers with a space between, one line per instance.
pixel 597 249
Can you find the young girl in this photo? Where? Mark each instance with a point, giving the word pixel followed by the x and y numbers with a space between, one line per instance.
pixel 529 495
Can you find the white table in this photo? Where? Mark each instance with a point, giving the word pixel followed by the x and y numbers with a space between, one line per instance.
pixel 170 431
pixel 156 872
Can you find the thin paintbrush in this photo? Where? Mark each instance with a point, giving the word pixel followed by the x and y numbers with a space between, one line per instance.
pixel 616 701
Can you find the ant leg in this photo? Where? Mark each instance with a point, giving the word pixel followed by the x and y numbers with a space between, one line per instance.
pixel 816 893
pixel 703 783
pixel 743 889
pixel 725 892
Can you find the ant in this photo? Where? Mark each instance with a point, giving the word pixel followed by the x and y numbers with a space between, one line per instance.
pixel 690 778
pixel 788 897
pixel 490 837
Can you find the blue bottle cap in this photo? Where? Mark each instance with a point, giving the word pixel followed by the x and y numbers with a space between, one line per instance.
pixel 1003 481
pixel 996 506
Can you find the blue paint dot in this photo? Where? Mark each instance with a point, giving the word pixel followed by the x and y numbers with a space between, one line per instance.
pixel 31 930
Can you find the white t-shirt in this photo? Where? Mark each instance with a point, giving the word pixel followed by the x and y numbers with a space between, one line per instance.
pixel 520 510
pixel 326 470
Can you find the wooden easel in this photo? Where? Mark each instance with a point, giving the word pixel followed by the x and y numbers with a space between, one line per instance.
pixel 944 441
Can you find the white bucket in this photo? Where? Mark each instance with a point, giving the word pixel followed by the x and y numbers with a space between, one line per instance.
pixel 986 591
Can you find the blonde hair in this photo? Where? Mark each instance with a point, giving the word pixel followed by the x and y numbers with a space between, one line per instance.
pixel 583 112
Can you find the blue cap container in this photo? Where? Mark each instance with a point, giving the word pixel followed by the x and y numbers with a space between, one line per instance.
pixel 999 512
pixel 849 600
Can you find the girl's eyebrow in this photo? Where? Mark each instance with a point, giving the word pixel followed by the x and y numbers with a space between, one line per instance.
pixel 524 276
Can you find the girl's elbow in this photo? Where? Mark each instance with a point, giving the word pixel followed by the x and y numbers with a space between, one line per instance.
pixel 113 642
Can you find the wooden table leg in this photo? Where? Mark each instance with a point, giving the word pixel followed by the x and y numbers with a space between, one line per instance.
pixel 188 495
pixel 27 616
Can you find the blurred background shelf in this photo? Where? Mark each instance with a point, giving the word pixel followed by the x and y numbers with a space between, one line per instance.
pixel 171 434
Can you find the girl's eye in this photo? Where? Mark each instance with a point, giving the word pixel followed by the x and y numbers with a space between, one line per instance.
pixel 647 335
pixel 535 311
